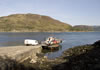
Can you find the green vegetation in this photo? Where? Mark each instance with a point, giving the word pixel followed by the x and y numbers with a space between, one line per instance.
pixel 85 28
pixel 82 28
pixel 31 22
pixel 96 28
pixel 38 23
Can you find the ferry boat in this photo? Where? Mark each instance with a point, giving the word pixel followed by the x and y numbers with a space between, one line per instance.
pixel 51 43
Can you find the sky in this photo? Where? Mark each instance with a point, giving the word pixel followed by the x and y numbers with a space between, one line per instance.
pixel 74 12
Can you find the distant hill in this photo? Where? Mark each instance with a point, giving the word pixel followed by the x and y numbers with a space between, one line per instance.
pixel 83 28
pixel 31 22
pixel 96 28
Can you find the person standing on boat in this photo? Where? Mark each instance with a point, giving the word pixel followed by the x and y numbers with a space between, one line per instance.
pixel 50 40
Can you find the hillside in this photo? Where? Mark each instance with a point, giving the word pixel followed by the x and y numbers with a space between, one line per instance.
pixel 85 28
pixel 82 28
pixel 96 28
pixel 31 22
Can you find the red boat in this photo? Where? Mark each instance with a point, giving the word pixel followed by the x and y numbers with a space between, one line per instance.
pixel 51 43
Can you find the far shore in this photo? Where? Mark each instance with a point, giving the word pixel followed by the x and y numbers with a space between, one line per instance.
pixel 49 31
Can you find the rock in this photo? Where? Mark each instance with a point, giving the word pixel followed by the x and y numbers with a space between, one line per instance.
pixel 45 57
pixel 33 61
pixel 97 67
pixel 97 43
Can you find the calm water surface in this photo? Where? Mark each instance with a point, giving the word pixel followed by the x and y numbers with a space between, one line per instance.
pixel 70 39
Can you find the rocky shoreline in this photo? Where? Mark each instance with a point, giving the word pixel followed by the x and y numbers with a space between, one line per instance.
pixel 86 57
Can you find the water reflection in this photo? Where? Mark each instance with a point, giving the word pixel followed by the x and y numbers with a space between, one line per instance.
pixel 48 52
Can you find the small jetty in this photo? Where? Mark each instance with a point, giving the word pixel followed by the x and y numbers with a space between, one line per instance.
pixel 20 53
pixel 29 50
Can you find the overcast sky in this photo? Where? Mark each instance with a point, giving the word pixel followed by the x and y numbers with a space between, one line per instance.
pixel 74 12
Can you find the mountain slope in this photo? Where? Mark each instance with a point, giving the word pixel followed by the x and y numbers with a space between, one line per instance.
pixel 96 28
pixel 83 28
pixel 31 22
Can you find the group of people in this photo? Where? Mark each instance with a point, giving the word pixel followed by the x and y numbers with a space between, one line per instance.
pixel 51 40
